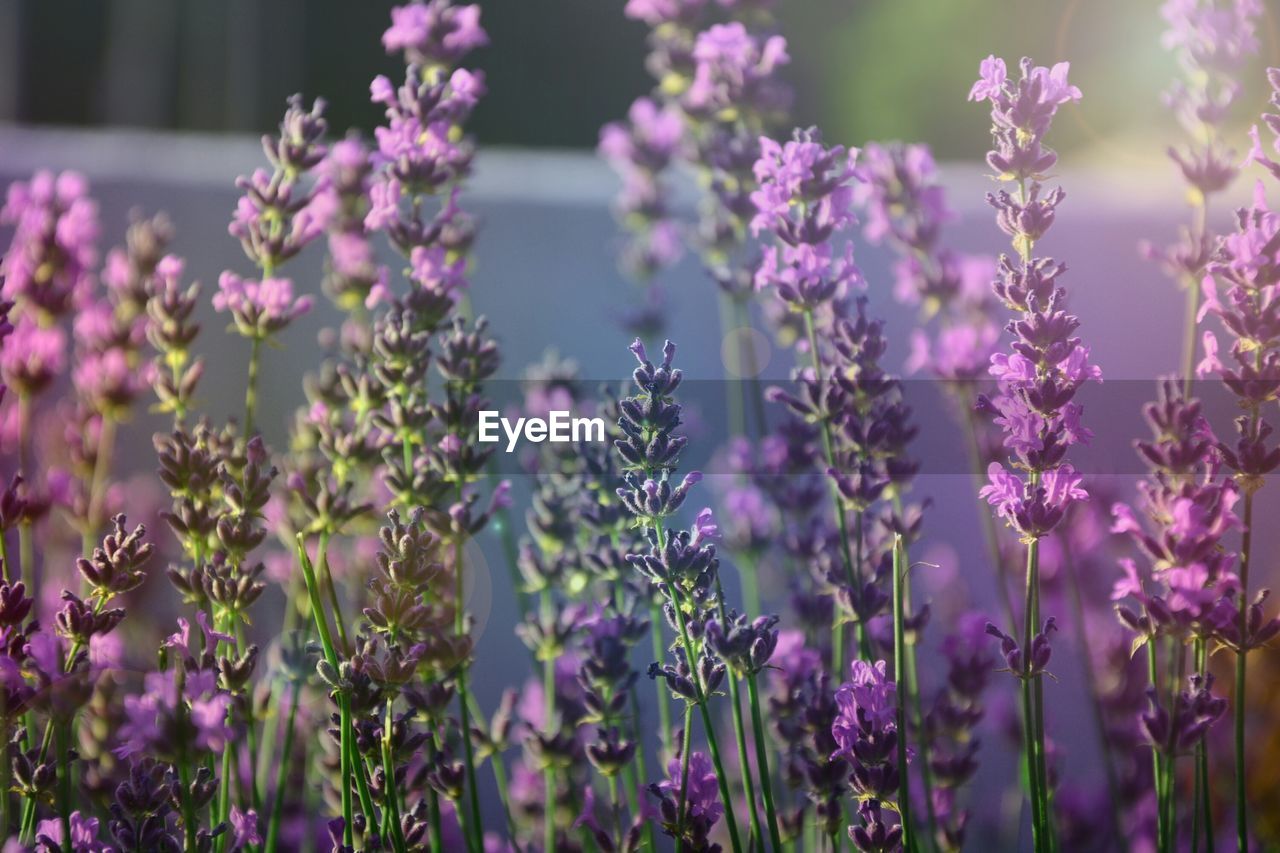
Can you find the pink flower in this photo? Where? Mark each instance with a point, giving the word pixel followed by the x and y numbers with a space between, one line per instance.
pixel 259 308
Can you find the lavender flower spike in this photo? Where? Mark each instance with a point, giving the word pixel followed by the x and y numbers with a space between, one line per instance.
pixel 1038 379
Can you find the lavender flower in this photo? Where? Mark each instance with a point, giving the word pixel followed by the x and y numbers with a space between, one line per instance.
pixel 906 207
pixel 1211 44
pixel 1037 382
pixel 805 197
pixel 435 32
pixel 733 68
pixel 33 356
pixel 695 785
pixel 866 735
pixel 50 261
pixel 259 308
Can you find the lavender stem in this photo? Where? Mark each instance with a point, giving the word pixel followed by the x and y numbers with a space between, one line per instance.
pixel 899 674
pixel 549 713
pixel 850 568
pixel 762 763
pixel 251 385
pixel 282 773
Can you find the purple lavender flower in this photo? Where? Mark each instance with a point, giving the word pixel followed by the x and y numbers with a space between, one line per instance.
pixel 700 796
pixel 1037 382
pixel 805 197
pixel 244 829
pixel 733 67
pixel 50 262
pixel 866 733
pixel 640 150
pixel 1021 113
pixel 83 837
pixel 658 12
pixel 259 308
pixel 1194 712
pixel 434 32
pixel 33 356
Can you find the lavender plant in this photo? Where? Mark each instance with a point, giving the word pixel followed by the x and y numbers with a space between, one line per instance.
pixel 1036 382
pixel 361 722
pixel 1211 43
pixel 1245 264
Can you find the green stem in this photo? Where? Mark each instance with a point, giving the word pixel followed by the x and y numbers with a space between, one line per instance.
pixel 1242 802
pixel 846 554
pixel 686 746
pixel 1095 696
pixel 899 676
pixel 500 781
pixel 64 781
pixel 748 784
pixel 1203 814
pixel 691 656
pixel 362 777
pixel 990 532
pixel 1031 746
pixel 188 807
pixel 27 559
pixel 98 484
pixel 344 707
pixel 6 773
pixel 734 396
pixel 331 589
pixel 255 795
pixel 26 547
pixel 1200 226
pixel 4 559
pixel 549 713
pixel 762 762
pixel 664 705
pixel 474 823
pixel 251 385
pixel 433 801
pixel 389 771
pixel 28 823
pixel 739 731
pixel 742 316
pixel 511 552
pixel 638 770
pixel 267 753
pixel 282 774
pixel 224 793
pixel 1177 666
pixel 1157 759
pixel 749 575
pixel 713 745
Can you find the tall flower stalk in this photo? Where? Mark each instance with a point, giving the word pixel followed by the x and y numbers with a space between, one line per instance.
pixel 804 200
pixel 1188 509
pixel 905 208
pixel 1212 41
pixel 274 220
pixel 1247 266
pixel 681 564
pixel 1036 381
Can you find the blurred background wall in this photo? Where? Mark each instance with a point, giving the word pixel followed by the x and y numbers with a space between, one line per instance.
pixel 558 69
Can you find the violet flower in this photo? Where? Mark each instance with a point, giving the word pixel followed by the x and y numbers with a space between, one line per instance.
pixel 434 32
pixel 866 734
pixel 805 198
pixel 1211 42
pixel 1036 382
pixel 259 308
pixel 695 785
pixel 33 356
pixel 51 258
